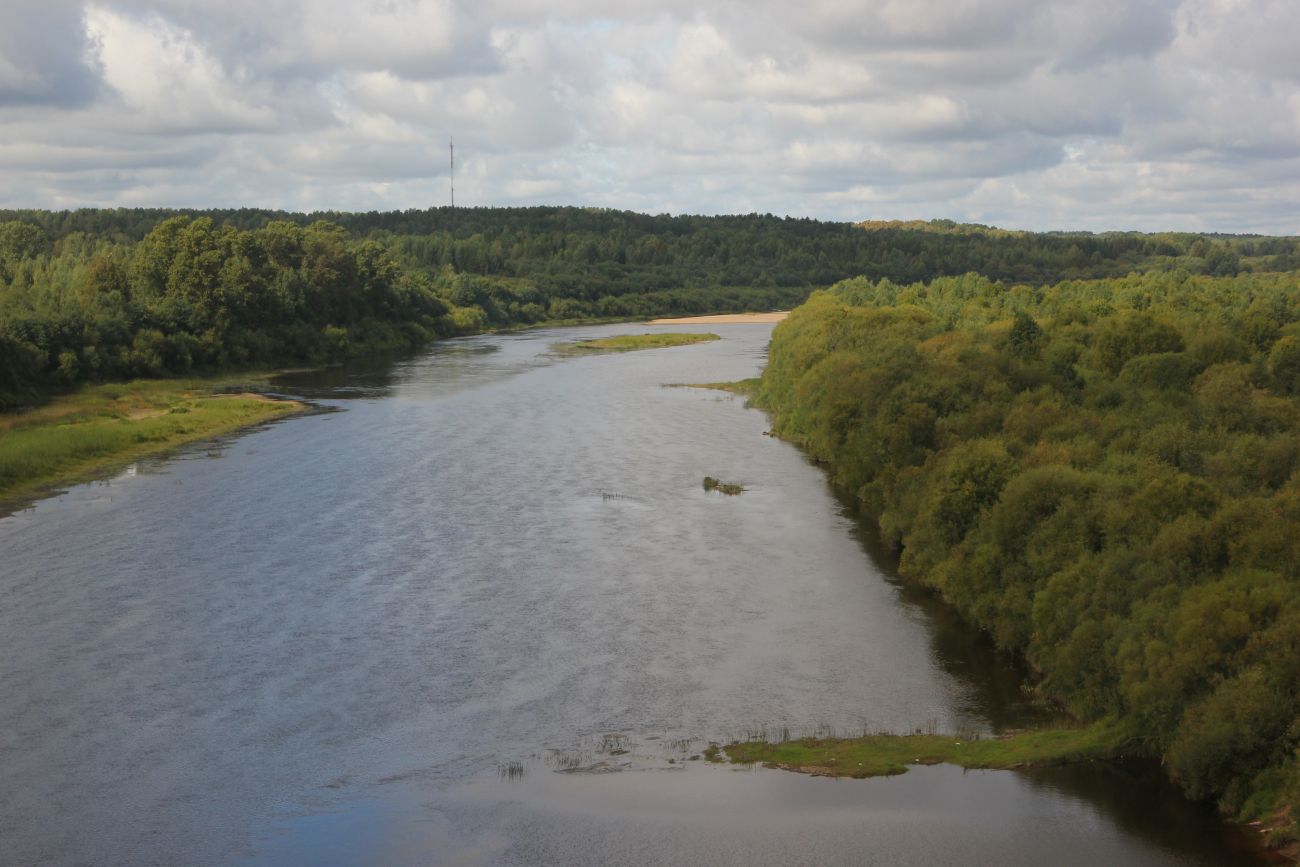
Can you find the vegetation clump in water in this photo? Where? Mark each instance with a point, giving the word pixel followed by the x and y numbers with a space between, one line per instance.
pixel 632 342
pixel 742 387
pixel 712 484
pixel 880 755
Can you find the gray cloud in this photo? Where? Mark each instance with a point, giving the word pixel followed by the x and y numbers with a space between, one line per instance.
pixel 1076 113
pixel 46 56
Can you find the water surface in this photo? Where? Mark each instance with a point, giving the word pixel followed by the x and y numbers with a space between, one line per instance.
pixel 378 634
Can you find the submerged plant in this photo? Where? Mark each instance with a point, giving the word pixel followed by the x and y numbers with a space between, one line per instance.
pixel 512 770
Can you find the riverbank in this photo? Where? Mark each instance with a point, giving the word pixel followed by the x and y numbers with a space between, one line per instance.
pixel 80 436
pixel 77 437
pixel 881 755
pixel 725 319
pixel 660 613
pixel 953 439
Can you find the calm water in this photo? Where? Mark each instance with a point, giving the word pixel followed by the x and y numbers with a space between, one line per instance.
pixel 479 610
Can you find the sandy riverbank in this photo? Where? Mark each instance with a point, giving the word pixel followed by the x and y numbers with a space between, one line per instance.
pixel 724 319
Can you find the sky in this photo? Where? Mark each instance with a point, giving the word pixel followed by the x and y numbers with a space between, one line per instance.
pixel 1078 114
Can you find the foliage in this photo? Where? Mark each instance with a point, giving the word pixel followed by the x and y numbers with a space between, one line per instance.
pixel 588 253
pixel 193 296
pixel 1104 475
pixel 96 295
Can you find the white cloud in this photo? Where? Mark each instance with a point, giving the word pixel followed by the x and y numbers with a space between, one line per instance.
pixel 169 83
pixel 1074 113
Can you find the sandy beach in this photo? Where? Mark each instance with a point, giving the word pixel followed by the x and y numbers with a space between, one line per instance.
pixel 723 319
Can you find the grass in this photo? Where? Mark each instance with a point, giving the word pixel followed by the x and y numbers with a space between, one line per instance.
pixel 82 435
pixel 631 342
pixel 712 484
pixel 884 754
pixel 743 387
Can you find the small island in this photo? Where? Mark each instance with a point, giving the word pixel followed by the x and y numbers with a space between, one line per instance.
pixel 876 755
pixel 712 484
pixel 632 342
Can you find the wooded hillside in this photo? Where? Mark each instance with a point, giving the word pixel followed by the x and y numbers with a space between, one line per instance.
pixel 1105 475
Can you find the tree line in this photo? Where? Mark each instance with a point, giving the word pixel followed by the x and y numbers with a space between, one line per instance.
pixel 193 295
pixel 112 293
pixel 1104 475
pixel 595 248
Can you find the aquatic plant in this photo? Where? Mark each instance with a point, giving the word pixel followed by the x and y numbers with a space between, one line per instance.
pixel 885 754
pixel 712 484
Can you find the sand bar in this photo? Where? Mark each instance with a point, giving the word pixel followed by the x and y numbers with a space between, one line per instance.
pixel 723 319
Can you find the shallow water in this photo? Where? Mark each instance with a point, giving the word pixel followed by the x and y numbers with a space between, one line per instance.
pixel 374 635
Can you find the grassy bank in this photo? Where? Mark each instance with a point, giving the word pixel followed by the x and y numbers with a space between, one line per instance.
pixel 631 342
pixel 884 754
pixel 77 436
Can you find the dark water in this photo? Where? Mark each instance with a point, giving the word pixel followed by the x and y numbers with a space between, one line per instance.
pixel 486 614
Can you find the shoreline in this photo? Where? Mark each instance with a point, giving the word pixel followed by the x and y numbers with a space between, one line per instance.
pixel 724 319
pixel 100 429
pixel 75 460
pixel 886 755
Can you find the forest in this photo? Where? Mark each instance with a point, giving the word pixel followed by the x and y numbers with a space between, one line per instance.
pixel 101 295
pixel 194 296
pixel 1104 475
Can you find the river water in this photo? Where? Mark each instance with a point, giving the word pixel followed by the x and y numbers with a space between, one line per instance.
pixel 479 609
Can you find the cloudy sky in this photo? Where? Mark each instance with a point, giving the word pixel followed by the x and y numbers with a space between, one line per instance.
pixel 1095 114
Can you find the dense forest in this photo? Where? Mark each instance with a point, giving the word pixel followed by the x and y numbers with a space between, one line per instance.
pixel 1105 475
pixel 586 253
pixel 110 294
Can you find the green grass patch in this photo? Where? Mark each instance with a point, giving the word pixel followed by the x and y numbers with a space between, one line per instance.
pixel 884 754
pixel 81 435
pixel 631 342
pixel 743 387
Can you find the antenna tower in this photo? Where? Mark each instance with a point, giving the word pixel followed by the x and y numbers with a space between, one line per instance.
pixel 451 174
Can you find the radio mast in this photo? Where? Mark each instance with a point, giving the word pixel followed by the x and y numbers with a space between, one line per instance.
pixel 451 173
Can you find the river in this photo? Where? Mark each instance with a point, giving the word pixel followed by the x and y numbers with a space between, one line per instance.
pixel 478 609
